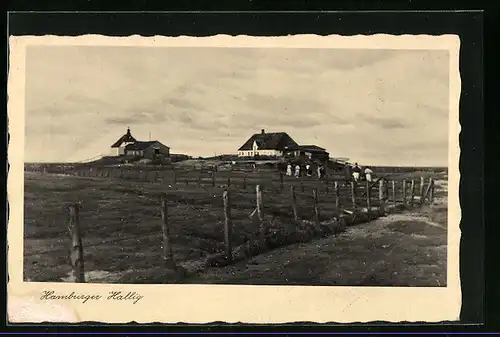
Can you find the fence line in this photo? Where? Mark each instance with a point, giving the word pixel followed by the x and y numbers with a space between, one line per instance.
pixel 358 193
pixel 77 257
pixel 173 175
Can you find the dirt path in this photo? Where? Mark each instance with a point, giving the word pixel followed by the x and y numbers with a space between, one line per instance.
pixel 401 249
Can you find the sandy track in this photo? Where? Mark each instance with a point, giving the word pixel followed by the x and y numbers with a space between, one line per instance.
pixel 397 250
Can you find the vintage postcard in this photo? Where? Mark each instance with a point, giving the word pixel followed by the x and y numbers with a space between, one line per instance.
pixel 234 178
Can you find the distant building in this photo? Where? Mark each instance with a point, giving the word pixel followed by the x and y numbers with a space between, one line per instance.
pixel 275 144
pixel 280 144
pixel 127 145
pixel 314 152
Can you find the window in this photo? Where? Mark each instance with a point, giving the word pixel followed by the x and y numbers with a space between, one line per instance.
pixel 157 151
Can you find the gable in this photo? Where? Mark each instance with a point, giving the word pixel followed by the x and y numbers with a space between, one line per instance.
pixel 124 139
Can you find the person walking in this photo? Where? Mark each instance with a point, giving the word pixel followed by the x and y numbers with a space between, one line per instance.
pixel 356 171
pixel 368 174
pixel 320 169
pixel 289 170
pixel 348 174
pixel 308 170
pixel 297 171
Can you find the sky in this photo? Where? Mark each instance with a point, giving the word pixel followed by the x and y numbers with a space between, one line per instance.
pixel 375 107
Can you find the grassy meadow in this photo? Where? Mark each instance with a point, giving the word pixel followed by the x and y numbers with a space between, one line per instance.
pixel 121 223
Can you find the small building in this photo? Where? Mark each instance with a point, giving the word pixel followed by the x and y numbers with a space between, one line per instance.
pixel 127 145
pixel 314 152
pixel 274 144
pixel 148 150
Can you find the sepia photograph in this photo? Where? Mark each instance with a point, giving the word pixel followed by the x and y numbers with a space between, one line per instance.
pixel 244 165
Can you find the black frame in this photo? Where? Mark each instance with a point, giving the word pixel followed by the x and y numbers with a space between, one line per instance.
pixel 468 25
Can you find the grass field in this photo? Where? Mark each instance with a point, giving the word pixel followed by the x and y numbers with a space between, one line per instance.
pixel 121 224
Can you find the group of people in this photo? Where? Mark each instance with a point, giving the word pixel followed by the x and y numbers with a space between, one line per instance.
pixel 297 171
pixel 356 173
pixel 353 172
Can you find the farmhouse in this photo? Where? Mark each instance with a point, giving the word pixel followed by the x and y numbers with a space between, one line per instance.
pixel 280 144
pixel 127 145
pixel 274 144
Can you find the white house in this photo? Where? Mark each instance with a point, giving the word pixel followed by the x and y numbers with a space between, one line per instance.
pixel 275 144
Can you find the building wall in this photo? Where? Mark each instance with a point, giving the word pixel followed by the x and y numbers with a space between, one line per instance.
pixel 150 152
pixel 315 155
pixel 250 153
pixel 135 153
pixel 121 149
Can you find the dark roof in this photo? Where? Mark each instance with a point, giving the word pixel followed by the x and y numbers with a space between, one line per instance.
pixel 126 138
pixel 312 148
pixel 138 146
pixel 270 141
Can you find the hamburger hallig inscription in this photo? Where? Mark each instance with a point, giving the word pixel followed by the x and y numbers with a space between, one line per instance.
pixel 130 296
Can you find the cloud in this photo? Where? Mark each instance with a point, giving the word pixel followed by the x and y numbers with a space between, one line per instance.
pixel 124 120
pixel 385 123
pixel 203 100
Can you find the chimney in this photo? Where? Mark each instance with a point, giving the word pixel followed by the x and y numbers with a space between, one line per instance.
pixel 263 131
pixel 128 131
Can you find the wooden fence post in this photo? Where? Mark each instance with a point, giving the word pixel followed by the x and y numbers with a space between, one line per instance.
pixel 228 181
pixel 167 248
pixel 422 183
pixel 302 187
pixel 394 201
pixel 386 192
pixel 368 196
pixel 227 226
pixel 316 211
pixel 76 244
pixel 337 196
pixel 353 194
pixel 244 181
pixel 263 230
pixel 381 195
pixel 404 192
pixel 199 178
pixel 412 193
pixel 281 181
pixel 213 178
pixel 431 196
pixel 427 191
pixel 174 176
pixel 294 203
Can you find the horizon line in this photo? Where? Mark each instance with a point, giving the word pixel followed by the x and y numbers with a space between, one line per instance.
pixel 197 158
